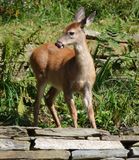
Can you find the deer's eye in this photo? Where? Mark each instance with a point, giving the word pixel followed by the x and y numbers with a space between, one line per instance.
pixel 71 33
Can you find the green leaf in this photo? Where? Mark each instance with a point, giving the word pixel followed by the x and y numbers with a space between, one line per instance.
pixel 103 74
pixel 21 108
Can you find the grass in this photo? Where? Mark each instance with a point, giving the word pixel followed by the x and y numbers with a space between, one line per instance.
pixel 116 91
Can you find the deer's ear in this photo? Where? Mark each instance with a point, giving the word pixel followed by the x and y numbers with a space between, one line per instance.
pixel 90 19
pixel 79 15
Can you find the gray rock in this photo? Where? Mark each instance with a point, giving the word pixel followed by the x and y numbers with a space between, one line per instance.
pixel 93 138
pixel 136 144
pixel 98 154
pixel 45 143
pixel 136 128
pixel 10 144
pixel 135 151
pixel 91 33
pixel 38 155
pixel 70 132
pixel 111 138
pixel 13 131
pixel 132 159
pixel 22 138
pixel 127 138
pixel 112 158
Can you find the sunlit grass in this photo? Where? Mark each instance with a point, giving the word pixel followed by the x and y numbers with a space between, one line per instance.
pixel 116 91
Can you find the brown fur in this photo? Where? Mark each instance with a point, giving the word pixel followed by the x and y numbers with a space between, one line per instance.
pixel 67 70
pixel 47 62
pixel 72 25
pixel 49 56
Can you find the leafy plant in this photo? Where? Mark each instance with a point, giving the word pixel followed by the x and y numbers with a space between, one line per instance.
pixel 31 23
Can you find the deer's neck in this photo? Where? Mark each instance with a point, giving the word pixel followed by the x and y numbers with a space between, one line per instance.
pixel 83 57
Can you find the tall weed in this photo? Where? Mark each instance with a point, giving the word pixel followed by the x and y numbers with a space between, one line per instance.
pixel 116 91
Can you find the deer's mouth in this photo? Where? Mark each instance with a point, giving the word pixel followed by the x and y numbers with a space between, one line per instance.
pixel 59 44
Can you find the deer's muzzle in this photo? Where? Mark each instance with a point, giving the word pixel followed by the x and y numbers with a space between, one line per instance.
pixel 59 44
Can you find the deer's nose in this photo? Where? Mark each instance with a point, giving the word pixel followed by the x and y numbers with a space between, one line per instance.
pixel 59 44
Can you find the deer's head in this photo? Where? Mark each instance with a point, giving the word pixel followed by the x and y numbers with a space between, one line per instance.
pixel 74 33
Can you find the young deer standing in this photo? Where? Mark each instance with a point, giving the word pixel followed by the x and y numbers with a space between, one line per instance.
pixel 66 69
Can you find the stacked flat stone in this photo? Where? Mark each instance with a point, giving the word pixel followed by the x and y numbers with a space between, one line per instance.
pixel 67 144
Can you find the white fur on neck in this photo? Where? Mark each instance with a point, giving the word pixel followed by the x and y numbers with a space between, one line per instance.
pixel 83 58
pixel 82 51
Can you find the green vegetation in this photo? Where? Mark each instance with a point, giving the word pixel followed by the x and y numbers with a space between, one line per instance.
pixel 31 23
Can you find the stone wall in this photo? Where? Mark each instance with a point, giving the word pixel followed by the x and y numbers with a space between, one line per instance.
pixel 67 144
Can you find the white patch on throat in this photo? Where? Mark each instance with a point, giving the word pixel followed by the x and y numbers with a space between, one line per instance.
pixel 79 48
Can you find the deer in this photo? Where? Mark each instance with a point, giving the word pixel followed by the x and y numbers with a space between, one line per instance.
pixel 66 69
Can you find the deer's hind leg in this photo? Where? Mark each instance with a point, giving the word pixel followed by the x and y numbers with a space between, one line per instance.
pixel 40 91
pixel 49 101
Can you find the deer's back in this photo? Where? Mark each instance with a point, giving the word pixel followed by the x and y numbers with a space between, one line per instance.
pixel 48 61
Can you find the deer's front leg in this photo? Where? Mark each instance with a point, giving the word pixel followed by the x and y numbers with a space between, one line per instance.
pixel 70 102
pixel 87 97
